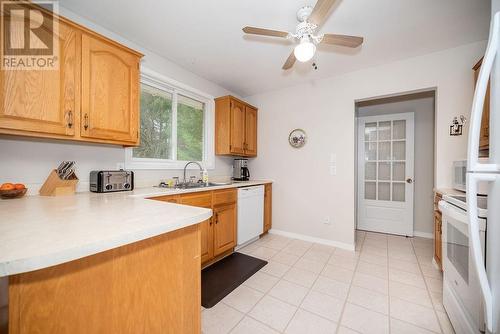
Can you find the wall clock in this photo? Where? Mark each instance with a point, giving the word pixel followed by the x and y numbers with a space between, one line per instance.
pixel 297 138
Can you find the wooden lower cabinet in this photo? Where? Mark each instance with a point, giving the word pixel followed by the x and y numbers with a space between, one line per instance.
pixel 268 207
pixel 218 234
pixel 151 286
pixel 438 231
pixel 224 228
pixel 207 237
pixel 438 250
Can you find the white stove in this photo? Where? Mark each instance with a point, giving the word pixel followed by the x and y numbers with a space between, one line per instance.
pixel 461 290
pixel 461 202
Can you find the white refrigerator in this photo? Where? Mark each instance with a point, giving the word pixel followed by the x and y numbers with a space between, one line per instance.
pixel 488 270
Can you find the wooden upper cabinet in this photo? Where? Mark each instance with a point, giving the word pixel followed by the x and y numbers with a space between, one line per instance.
pixel 237 134
pixel 250 131
pixel 224 228
pixel 235 127
pixel 110 91
pixel 484 139
pixel 43 101
pixel 92 96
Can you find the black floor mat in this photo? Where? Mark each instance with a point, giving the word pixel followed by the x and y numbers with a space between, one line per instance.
pixel 222 277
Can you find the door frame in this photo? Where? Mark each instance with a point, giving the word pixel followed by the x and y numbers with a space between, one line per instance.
pixel 409 189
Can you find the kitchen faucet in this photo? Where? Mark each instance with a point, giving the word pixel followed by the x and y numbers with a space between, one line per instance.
pixel 185 167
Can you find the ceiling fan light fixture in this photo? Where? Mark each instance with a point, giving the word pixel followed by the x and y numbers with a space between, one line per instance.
pixel 305 50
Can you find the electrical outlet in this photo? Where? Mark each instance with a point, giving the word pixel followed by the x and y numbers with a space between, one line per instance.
pixel 327 221
pixel 120 165
pixel 333 170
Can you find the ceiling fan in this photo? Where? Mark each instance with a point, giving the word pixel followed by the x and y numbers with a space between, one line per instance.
pixel 309 21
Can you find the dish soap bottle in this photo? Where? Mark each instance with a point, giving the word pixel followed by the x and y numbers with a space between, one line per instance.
pixel 204 176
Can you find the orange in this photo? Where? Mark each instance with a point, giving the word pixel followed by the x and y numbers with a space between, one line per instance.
pixel 7 186
pixel 19 186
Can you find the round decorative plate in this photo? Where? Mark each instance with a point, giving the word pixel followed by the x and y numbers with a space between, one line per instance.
pixel 297 138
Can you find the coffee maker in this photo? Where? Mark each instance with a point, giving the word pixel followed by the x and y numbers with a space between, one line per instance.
pixel 240 170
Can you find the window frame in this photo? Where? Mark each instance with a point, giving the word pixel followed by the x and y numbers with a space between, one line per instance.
pixel 158 81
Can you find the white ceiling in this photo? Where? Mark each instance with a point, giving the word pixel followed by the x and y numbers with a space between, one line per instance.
pixel 205 37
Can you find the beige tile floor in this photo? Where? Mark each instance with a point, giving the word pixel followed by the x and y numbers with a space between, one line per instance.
pixel 388 285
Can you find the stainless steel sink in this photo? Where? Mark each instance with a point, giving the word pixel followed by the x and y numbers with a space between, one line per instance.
pixel 200 185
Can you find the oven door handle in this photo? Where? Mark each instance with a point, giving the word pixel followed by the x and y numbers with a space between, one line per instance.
pixel 475 241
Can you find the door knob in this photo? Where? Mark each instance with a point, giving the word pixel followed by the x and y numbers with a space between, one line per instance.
pixel 409 180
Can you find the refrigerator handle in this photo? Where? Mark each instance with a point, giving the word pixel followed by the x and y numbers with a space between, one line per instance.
pixel 479 97
pixel 475 241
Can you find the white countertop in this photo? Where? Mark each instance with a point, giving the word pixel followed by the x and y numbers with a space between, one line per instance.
pixel 157 191
pixel 38 232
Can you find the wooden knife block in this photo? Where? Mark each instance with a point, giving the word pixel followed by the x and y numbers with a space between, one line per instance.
pixel 55 186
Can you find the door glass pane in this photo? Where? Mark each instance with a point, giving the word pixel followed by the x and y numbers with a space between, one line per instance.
pixel 370 131
pixel 156 124
pixel 399 130
pixel 384 171
pixel 370 190
pixel 370 171
pixel 398 171
pixel 384 130
pixel 384 149
pixel 398 192
pixel 384 191
pixel 399 150
pixel 457 249
pixel 371 151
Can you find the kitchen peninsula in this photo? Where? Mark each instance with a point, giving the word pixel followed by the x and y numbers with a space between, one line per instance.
pixel 101 263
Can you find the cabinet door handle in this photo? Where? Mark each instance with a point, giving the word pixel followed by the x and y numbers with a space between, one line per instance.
pixel 70 119
pixel 211 222
pixel 86 122
pixel 216 218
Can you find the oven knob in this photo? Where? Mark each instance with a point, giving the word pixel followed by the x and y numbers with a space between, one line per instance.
pixel 109 187
pixel 126 185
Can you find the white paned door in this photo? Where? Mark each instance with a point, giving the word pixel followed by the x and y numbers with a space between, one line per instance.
pixel 385 173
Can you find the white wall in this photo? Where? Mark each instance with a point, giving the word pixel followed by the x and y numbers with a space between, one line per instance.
pixel 423 110
pixel 30 160
pixel 305 193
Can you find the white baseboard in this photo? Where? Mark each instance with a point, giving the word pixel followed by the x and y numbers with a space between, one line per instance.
pixel 313 239
pixel 426 235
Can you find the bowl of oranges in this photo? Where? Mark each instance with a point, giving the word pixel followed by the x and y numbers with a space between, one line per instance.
pixel 12 190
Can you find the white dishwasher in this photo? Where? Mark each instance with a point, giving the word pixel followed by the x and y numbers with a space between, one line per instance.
pixel 250 214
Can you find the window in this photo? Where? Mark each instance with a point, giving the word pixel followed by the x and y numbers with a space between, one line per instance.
pixel 176 126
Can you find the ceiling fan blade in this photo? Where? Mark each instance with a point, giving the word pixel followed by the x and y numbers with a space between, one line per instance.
pixel 343 40
pixel 289 62
pixel 320 11
pixel 265 32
